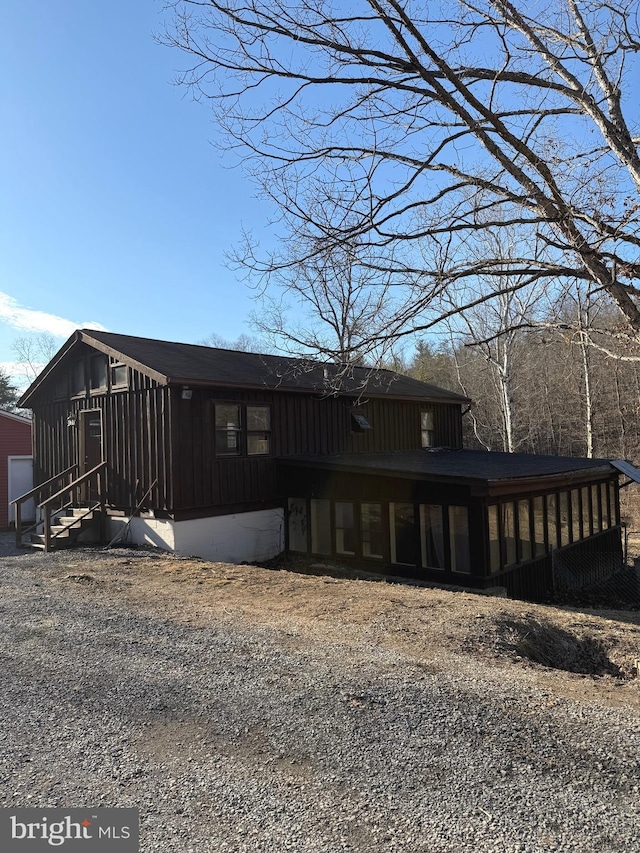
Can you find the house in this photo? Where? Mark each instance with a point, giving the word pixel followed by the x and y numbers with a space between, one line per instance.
pixel 237 456
pixel 15 463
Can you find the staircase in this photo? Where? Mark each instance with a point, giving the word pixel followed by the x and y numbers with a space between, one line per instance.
pixel 66 514
pixel 66 528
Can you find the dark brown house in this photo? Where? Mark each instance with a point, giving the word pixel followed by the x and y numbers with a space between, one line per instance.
pixel 238 456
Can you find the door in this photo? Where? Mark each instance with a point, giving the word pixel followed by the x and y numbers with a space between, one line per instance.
pixel 21 482
pixel 90 450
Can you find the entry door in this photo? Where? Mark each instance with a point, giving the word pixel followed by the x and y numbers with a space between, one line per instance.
pixel 21 482
pixel 90 449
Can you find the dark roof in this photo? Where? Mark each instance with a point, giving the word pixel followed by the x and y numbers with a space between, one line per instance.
pixel 190 364
pixel 460 465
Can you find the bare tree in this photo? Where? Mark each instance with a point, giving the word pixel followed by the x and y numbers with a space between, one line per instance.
pixel 380 124
pixel 332 303
pixel 33 352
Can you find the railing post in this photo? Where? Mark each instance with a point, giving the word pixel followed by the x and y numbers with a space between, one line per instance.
pixel 47 529
pixel 18 524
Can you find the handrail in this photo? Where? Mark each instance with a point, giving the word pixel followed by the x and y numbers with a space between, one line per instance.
pixel 46 505
pixel 46 483
pixel 72 485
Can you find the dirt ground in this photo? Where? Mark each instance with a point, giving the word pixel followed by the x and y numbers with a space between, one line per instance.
pixel 588 655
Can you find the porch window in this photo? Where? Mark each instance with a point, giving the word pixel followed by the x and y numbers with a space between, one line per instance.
pixel 604 502
pixel 297 524
pixel 509 533
pixel 345 528
pixel 372 531
pixel 427 429
pixel 524 534
pixel 552 522
pixel 320 526
pixel 432 536
pixel 258 430
pixel 613 505
pixel 539 546
pixel 459 539
pixel 575 515
pixel 595 510
pixel 228 429
pixel 403 534
pixel 586 512
pixel 494 538
pixel 564 519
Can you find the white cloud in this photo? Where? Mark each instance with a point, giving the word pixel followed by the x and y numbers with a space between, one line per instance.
pixel 30 320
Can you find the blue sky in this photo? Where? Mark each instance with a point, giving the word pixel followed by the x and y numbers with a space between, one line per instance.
pixel 115 209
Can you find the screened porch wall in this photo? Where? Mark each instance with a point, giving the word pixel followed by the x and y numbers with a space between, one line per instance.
pixel 416 529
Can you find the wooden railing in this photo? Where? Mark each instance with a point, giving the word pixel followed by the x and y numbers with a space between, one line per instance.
pixel 62 499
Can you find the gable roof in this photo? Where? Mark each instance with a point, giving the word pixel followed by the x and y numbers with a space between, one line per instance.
pixel 171 363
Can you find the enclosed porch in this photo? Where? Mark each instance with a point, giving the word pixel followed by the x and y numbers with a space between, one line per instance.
pixel 530 524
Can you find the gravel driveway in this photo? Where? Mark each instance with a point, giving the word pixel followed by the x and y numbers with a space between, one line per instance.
pixel 229 738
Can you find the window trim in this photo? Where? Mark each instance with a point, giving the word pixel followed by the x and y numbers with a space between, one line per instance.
pixel 427 432
pixel 242 430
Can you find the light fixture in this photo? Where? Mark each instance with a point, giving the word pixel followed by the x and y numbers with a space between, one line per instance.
pixel 71 419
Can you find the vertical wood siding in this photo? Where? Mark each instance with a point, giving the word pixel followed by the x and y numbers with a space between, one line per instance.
pixel 136 436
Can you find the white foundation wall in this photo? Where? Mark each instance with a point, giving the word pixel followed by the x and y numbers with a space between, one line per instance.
pixel 238 538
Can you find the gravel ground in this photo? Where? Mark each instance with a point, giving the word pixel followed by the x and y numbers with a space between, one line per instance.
pixel 230 738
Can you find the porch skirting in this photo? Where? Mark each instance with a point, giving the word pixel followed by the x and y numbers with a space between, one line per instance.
pixel 237 538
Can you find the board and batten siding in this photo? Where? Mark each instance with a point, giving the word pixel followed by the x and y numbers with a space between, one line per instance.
pixel 302 425
pixel 136 436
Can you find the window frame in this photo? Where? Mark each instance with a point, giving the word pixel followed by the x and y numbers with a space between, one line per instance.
pixel 242 431
pixel 427 433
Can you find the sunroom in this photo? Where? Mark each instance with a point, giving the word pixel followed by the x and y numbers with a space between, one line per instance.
pixel 531 524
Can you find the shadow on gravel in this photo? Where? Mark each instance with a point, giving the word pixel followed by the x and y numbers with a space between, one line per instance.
pixel 547 644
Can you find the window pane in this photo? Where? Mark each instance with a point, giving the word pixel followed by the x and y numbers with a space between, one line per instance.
pixel 564 518
pixel 320 526
pixel 372 531
pixel 604 500
pixel 119 375
pixel 432 536
pixel 404 545
pixel 426 427
pixel 297 524
pixel 586 512
pixel 98 368
pixel 77 380
pixel 259 418
pixel 426 420
pixel 509 533
pixel 575 515
pixel 595 512
pixel 227 416
pixel 459 539
pixel 345 528
pixel 494 539
pixel 524 534
pixel 552 522
pixel 613 507
pixel 538 527
pixel 258 444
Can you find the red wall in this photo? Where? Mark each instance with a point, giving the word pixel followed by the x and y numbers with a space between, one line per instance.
pixel 15 440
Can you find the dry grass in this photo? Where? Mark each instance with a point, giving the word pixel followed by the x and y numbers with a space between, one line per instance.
pixel 587 655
